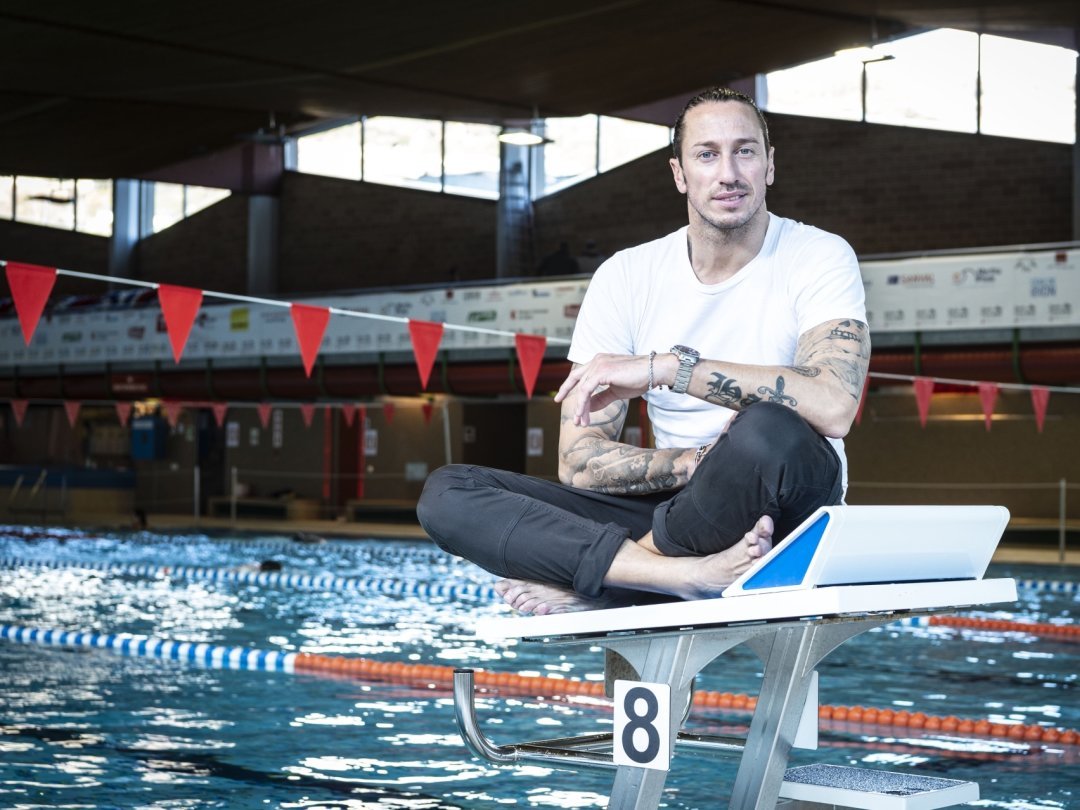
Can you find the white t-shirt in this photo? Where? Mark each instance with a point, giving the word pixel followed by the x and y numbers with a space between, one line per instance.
pixel 647 298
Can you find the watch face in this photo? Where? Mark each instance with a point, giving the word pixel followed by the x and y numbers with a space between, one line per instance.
pixel 685 350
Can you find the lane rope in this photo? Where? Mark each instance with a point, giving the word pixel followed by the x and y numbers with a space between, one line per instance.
pixel 441 677
pixel 325 582
pixel 211 655
pixel 1041 629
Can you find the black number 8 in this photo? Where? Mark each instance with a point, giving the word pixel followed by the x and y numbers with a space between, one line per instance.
pixel 643 721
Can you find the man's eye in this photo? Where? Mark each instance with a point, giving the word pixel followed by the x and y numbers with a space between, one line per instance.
pixel 707 155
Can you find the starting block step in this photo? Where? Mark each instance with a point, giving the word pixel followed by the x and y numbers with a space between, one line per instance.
pixel 841 786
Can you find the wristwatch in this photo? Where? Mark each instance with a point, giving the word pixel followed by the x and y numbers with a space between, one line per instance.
pixel 687 360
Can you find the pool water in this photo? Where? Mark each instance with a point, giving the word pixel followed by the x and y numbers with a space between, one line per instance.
pixel 92 729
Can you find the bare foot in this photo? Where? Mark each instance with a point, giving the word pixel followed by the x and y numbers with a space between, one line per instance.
pixel 540 599
pixel 716 571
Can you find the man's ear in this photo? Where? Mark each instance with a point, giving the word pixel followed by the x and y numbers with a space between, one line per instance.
pixel 770 173
pixel 676 170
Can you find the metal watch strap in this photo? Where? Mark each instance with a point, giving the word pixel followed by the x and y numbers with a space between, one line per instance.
pixel 687 361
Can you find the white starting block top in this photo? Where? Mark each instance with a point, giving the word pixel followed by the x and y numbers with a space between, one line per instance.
pixel 842 560
pixel 792 606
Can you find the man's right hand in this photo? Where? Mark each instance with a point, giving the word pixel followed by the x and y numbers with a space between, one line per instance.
pixel 605 379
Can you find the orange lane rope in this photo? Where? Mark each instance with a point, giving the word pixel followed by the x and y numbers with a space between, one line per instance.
pixel 538 685
pixel 1043 629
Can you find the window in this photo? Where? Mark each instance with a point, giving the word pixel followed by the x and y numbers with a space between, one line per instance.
pixel 333 153
pixel 571 155
pixel 403 152
pixel 168 205
pixel 622 141
pixel 930 82
pixel 199 197
pixel 931 79
pixel 828 88
pixel 471 159
pixel 93 207
pixel 48 201
pixel 174 202
pixel 7 190
pixel 1028 90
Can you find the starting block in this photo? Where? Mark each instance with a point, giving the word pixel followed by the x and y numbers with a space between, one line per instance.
pixel 845 570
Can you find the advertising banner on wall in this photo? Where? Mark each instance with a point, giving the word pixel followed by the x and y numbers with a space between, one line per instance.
pixel 933 293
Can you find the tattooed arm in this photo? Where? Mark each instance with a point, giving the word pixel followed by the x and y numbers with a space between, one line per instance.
pixel 591 457
pixel 824 384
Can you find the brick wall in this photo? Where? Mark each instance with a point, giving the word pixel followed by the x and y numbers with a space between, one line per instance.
pixel 207 250
pixel 885 189
pixel 53 247
pixel 340 234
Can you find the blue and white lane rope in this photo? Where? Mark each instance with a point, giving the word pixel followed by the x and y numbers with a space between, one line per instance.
pixel 210 655
pixel 325 582
pixel 1050 585
pixel 374 585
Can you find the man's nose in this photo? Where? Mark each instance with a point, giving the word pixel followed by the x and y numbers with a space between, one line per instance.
pixel 727 170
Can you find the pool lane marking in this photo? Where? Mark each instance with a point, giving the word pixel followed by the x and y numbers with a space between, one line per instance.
pixel 433 675
pixel 326 582
pixel 130 645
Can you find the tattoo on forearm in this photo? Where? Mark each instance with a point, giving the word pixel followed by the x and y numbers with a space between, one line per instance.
pixel 842 350
pixel 777 394
pixel 625 470
pixel 804 371
pixel 600 462
pixel 727 392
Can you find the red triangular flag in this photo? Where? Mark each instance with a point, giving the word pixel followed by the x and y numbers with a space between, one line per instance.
pixel 425 340
pixel 123 412
pixel 924 388
pixel 349 412
pixel 72 407
pixel 988 392
pixel 30 287
pixel 172 411
pixel 427 409
pixel 18 406
pixel 530 354
pixel 310 325
pixel 307 410
pixel 862 400
pixel 219 409
pixel 264 414
pixel 388 412
pixel 1040 397
pixel 179 305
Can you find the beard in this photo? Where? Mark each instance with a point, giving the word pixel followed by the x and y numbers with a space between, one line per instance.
pixel 730 222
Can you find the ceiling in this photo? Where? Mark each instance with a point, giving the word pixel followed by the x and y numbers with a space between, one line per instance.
pixel 123 88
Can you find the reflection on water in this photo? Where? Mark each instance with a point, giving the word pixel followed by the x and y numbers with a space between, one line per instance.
pixel 87 728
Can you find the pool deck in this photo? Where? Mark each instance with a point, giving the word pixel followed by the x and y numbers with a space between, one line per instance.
pixel 1010 551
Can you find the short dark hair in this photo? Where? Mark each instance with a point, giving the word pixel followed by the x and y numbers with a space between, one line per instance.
pixel 715 94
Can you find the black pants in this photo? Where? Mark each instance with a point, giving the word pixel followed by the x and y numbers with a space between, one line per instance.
pixel 769 462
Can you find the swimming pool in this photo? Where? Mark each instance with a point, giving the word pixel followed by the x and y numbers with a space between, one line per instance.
pixel 90 728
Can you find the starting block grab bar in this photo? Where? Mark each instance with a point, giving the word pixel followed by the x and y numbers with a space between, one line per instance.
pixel 792 611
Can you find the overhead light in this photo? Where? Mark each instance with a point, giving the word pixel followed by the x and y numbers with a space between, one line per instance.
pixel 517 136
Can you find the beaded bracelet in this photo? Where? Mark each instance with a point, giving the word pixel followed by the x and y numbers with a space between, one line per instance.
pixel 652 356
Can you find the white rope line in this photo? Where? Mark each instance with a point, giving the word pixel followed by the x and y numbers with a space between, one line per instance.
pixel 273 302
pixel 1057 389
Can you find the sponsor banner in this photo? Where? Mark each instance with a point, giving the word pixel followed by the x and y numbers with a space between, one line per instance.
pixel 985 291
pixel 982 291
pixel 223 331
